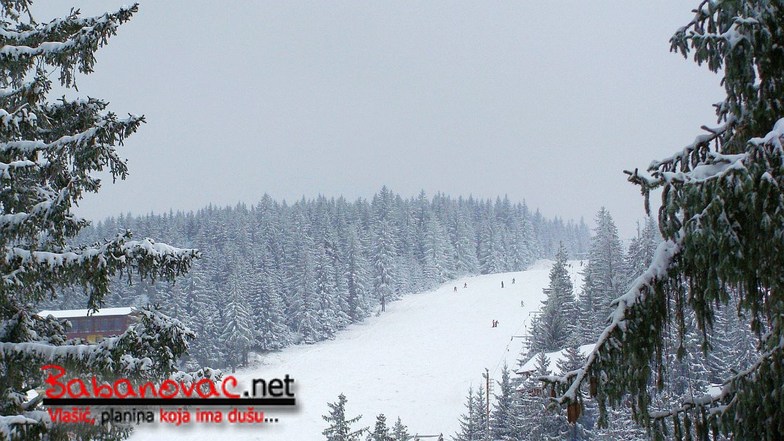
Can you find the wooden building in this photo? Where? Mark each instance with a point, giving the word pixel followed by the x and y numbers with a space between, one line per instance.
pixel 106 322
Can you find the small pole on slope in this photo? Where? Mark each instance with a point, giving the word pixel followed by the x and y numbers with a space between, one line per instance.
pixel 487 399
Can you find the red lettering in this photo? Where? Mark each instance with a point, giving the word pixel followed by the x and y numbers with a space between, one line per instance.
pixel 226 392
pixel 188 391
pixel 170 384
pixel 81 388
pixel 123 388
pixel 211 391
pixel 51 380
pixel 146 386
pixel 102 390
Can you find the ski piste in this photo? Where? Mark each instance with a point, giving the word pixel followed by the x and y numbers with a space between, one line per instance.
pixel 415 361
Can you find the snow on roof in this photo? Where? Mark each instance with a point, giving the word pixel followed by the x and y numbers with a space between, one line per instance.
pixel 69 313
pixel 554 357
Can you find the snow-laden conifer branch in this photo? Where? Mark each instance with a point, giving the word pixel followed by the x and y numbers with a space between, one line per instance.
pixel 108 130
pixel 612 336
pixel 722 401
pixel 682 163
pixel 43 31
pixel 38 272
pixel 68 43
pixel 24 88
pixel 755 174
pixel 48 154
pixel 130 353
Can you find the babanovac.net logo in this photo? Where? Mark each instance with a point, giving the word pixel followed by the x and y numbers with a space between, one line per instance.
pixel 121 402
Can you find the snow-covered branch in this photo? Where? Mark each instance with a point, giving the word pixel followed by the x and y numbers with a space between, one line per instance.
pixel 722 401
pixel 37 272
pixel 103 132
pixel 634 298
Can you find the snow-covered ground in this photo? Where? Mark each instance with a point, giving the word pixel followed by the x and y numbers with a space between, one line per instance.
pixel 416 361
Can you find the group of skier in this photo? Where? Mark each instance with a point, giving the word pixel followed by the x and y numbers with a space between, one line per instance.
pixel 494 322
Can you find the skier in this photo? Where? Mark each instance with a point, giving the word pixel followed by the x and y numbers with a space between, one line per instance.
pixel 455 289
pixel 513 280
pixel 465 285
pixel 502 284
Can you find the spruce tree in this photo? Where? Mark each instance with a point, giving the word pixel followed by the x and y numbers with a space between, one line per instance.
pixel 641 251
pixel 438 253
pixel 572 359
pixel 722 221
pixel 602 278
pixel 269 319
pixel 237 334
pixel 339 428
pixel 556 326
pixel 502 418
pixel 536 420
pixel 400 431
pixel 466 262
pixel 356 279
pixel 331 315
pixel 732 342
pixel 50 152
pixel 481 421
pixel 470 427
pixel 489 248
pixel 380 431
pixel 383 263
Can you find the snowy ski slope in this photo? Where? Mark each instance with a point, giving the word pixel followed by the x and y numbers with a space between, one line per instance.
pixel 415 361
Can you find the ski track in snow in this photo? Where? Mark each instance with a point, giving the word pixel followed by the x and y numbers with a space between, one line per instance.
pixel 416 360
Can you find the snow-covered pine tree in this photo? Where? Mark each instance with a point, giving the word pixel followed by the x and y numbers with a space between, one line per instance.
pixel 641 251
pixel 722 221
pixel 502 418
pixel 732 342
pixel 331 315
pixel 489 247
pixel 602 278
pixel 684 366
pixel 237 334
pixel 542 364
pixel 269 320
pixel 50 152
pixel 339 428
pixel 523 240
pixel 482 423
pixel 463 240
pixel 534 420
pixel 207 349
pixel 179 301
pixel 469 425
pixel 572 360
pixel 384 262
pixel 380 430
pixel 303 311
pixel 438 253
pixel 400 431
pixel 556 326
pixel 356 275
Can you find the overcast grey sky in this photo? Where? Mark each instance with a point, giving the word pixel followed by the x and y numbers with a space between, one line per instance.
pixel 543 101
